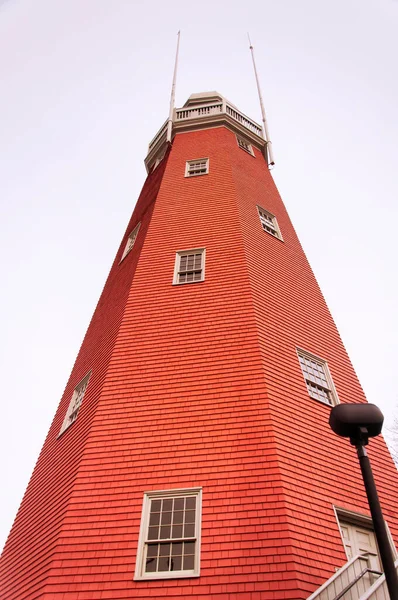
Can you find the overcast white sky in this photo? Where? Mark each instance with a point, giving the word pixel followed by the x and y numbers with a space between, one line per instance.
pixel 85 86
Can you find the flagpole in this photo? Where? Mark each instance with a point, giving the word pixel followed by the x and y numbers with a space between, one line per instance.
pixel 173 91
pixel 270 154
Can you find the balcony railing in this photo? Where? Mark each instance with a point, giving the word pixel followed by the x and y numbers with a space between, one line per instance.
pixel 198 111
pixel 245 121
pixel 207 111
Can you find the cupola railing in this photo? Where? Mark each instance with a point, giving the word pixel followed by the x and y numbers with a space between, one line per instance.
pixel 202 114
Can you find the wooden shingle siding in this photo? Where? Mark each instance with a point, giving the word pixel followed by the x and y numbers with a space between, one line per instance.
pixel 197 386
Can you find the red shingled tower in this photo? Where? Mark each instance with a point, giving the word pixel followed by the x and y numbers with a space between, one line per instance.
pixel 191 455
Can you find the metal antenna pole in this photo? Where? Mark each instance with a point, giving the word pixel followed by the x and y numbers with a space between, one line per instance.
pixel 173 92
pixel 270 154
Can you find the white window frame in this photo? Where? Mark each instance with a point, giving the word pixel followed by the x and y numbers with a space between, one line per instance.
pixel 334 399
pixel 192 162
pixel 130 241
pixel 73 409
pixel 181 253
pixel 143 542
pixel 265 221
pixel 244 145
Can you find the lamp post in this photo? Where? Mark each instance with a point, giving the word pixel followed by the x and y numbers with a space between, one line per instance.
pixel 359 422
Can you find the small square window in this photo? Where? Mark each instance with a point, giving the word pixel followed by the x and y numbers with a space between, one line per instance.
pixel 245 145
pixel 317 377
pixel 269 223
pixel 189 266
pixel 75 403
pixel 130 241
pixel 197 167
pixel 169 542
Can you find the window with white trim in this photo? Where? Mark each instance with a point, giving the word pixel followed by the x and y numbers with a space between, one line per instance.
pixel 130 241
pixel 196 167
pixel 189 266
pixel 244 145
pixel 269 223
pixel 75 403
pixel 169 542
pixel 317 378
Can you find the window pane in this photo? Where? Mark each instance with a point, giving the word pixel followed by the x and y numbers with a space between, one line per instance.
pixel 189 530
pixel 189 548
pixel 190 502
pixel 164 549
pixel 166 518
pixel 178 517
pixel 163 563
pixel 153 533
pixel 150 566
pixel 167 504
pixel 176 563
pixel 152 550
pixel 176 549
pixel 154 519
pixel 189 562
pixel 155 506
pixel 179 504
pixel 165 531
pixel 190 516
pixel 177 531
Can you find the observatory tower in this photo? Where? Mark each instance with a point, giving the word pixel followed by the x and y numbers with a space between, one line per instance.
pixel 190 455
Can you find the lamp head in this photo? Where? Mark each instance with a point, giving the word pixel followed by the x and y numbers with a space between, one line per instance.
pixel 358 422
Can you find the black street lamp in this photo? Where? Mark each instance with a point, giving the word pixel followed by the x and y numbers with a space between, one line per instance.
pixel 359 422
